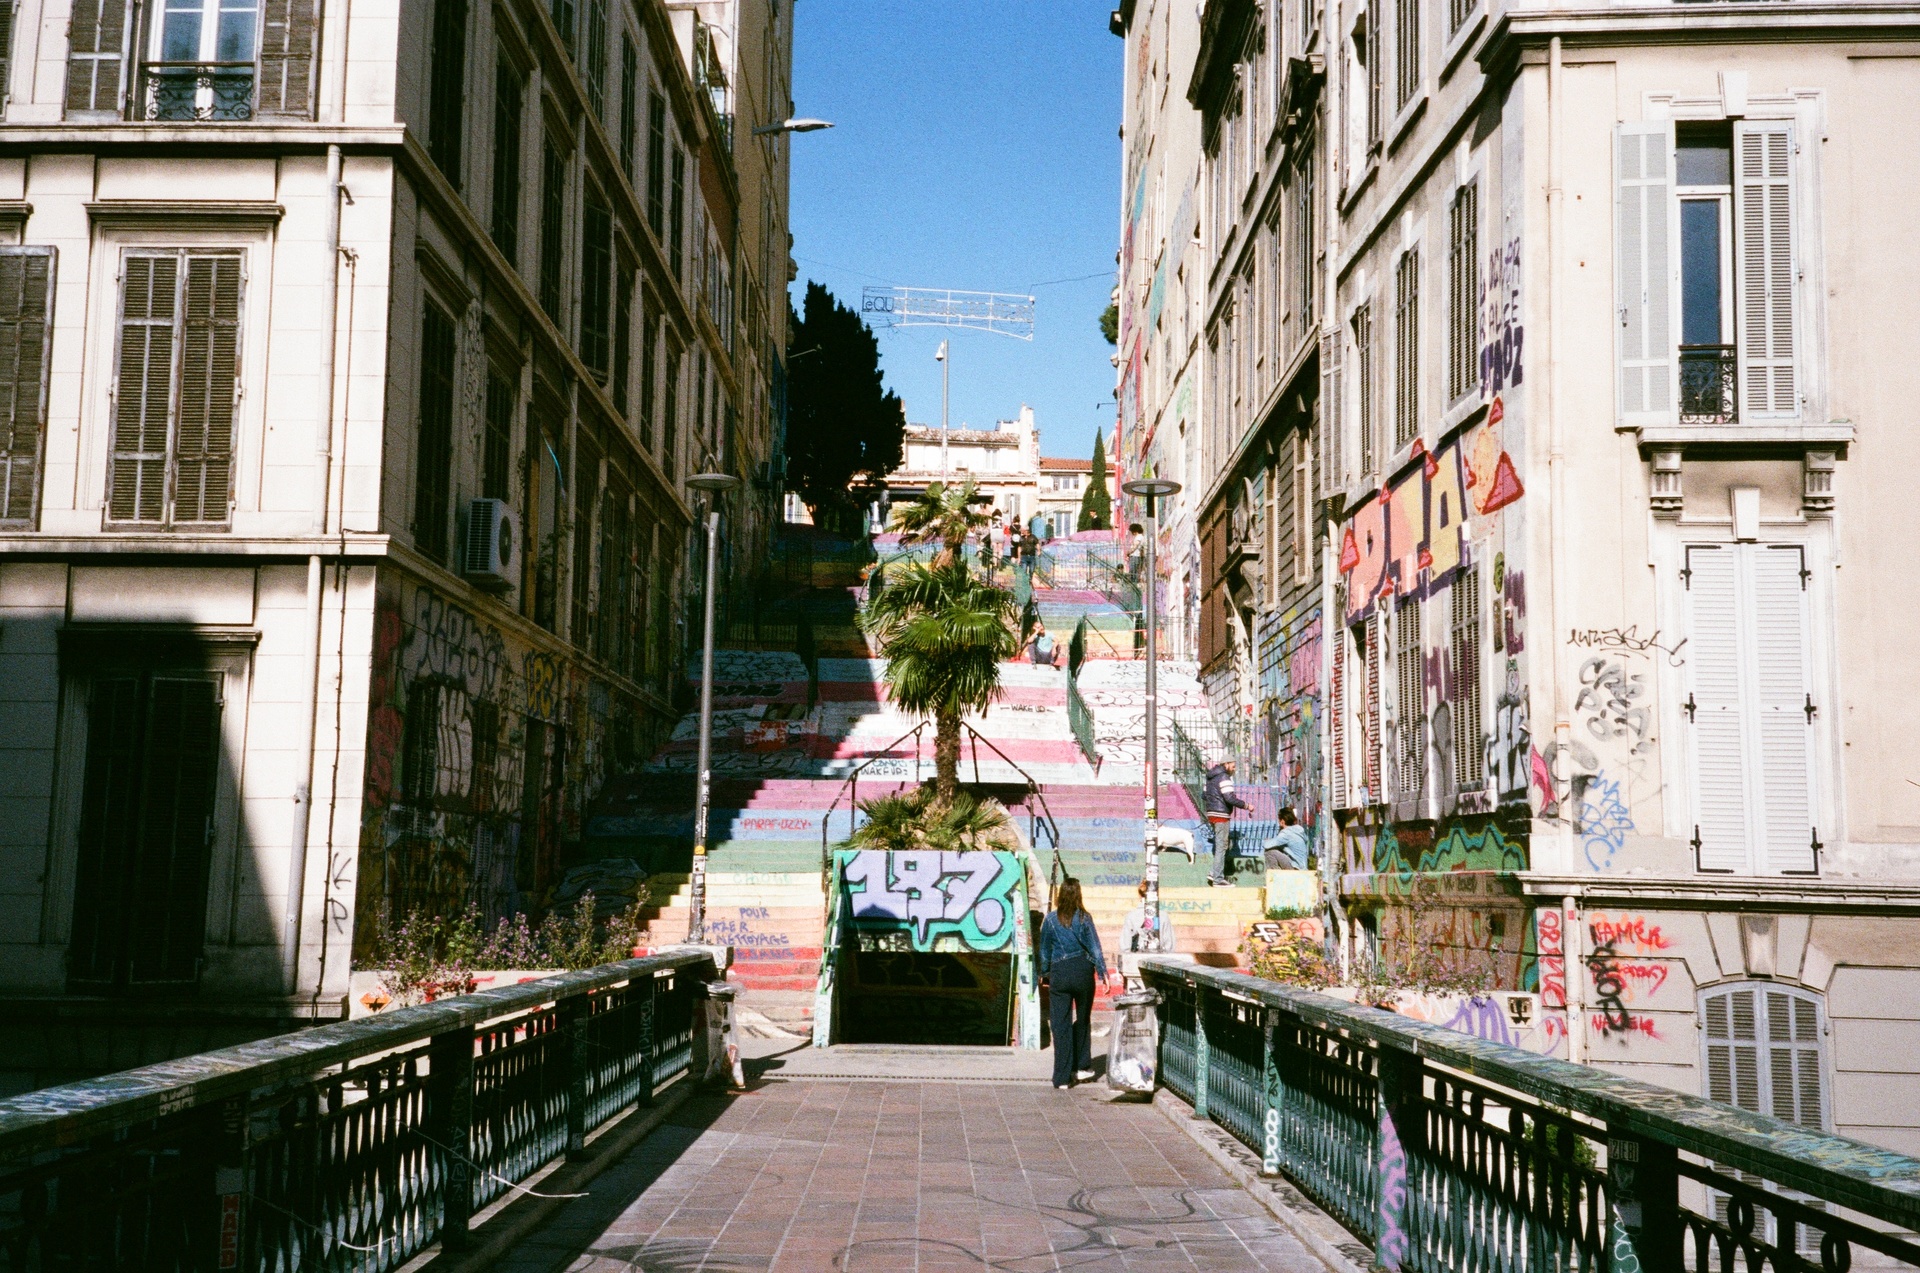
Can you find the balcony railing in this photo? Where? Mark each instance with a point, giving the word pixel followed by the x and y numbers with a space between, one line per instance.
pixel 1709 384
pixel 355 1145
pixel 196 91
pixel 1449 1152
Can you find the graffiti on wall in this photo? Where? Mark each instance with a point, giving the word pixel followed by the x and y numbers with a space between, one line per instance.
pixel 1467 845
pixel 1500 309
pixel 944 900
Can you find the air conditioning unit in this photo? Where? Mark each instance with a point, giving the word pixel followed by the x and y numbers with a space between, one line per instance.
pixel 492 555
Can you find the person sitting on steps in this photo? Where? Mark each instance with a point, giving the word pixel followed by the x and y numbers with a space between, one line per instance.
pixel 1288 850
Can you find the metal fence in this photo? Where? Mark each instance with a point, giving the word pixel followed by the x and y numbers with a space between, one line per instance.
pixel 1449 1153
pixel 350 1146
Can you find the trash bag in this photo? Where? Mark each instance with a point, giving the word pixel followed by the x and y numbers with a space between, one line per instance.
pixel 1133 1044
pixel 716 1047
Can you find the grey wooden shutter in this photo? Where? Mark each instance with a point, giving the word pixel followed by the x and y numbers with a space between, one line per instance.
pixel 26 315
pixel 1644 264
pixel 1764 283
pixel 209 382
pixel 7 9
pixel 289 30
pixel 143 390
pixel 96 48
pixel 1718 757
pixel 168 911
pixel 108 829
pixel 1469 754
pixel 1779 702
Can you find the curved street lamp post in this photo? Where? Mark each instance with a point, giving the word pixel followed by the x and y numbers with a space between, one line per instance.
pixel 1153 490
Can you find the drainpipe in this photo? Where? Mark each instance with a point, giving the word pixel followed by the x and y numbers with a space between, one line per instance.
pixel 1573 953
pixel 1556 434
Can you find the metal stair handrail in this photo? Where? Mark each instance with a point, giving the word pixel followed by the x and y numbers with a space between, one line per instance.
pixel 1033 786
pixel 853 784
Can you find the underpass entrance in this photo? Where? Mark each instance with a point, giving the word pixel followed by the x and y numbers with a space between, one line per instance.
pixel 928 948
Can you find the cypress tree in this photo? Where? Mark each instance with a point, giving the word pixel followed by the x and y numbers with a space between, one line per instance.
pixel 1096 504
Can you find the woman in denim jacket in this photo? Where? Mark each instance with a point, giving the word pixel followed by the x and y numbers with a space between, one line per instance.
pixel 1069 959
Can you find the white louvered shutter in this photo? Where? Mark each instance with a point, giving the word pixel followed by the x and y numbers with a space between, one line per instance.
pixel 143 390
pixel 209 383
pixel 26 311
pixel 1764 1054
pixel 1763 212
pixel 1781 697
pixel 1645 298
pixel 1717 758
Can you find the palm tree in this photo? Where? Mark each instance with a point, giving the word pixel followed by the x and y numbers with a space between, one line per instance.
pixel 943 631
pixel 944 515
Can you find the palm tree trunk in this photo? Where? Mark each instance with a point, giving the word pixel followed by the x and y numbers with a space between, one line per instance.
pixel 946 757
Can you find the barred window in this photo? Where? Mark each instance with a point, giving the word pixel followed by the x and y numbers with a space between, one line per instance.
pixel 1406 336
pixel 1410 707
pixel 1469 756
pixel 1463 300
pixel 1406 64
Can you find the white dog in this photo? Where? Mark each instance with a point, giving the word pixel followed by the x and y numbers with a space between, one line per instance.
pixel 1176 839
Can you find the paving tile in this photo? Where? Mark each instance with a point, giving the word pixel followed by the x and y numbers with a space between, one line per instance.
pixel 832 1176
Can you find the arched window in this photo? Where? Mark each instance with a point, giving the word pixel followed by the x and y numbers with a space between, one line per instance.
pixel 1765 1046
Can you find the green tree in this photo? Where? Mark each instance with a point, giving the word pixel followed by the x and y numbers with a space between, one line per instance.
pixel 1096 503
pixel 1110 324
pixel 843 424
pixel 944 632
pixel 945 515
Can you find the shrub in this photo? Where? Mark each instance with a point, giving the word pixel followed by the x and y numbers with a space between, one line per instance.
pixel 430 956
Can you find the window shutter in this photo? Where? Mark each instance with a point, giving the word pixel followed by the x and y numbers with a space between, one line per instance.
pixel 1469 756
pixel 26 311
pixel 1779 624
pixel 1763 211
pixel 143 392
pixel 1719 753
pixel 7 8
pixel 1410 702
pixel 96 40
pixel 1337 716
pixel 209 379
pixel 107 829
pixel 1644 266
pixel 168 926
pixel 1376 790
pixel 288 30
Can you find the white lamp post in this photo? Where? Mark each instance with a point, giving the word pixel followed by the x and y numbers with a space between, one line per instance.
pixel 715 485
pixel 1152 489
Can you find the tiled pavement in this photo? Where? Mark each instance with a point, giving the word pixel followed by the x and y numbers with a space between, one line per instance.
pixel 798 1176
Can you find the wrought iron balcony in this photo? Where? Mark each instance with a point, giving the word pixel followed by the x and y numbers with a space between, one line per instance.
pixel 196 91
pixel 1709 384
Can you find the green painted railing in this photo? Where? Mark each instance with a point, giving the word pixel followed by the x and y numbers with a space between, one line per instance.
pixel 1080 717
pixel 1451 1154
pixel 349 1146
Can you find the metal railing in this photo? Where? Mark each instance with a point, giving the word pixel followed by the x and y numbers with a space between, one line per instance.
pixel 198 91
pixel 1447 1152
pixel 1709 384
pixel 348 1146
pixel 1080 718
pixel 1040 818
pixel 850 791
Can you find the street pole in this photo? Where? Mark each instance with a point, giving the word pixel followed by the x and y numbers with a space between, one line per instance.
pixel 946 371
pixel 715 484
pixel 1153 490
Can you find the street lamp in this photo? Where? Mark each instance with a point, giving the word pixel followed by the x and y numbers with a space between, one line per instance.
pixel 1152 489
pixel 715 485
pixel 792 126
pixel 946 369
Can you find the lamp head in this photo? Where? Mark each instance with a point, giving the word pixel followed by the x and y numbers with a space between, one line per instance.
pixel 792 126
pixel 1151 487
pixel 713 483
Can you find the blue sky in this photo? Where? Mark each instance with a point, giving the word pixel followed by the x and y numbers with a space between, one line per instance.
pixel 974 147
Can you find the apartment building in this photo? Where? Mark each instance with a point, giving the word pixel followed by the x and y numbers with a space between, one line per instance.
pixel 1611 678
pixel 355 360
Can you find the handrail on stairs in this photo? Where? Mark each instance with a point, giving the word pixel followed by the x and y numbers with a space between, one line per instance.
pixel 1033 787
pixel 853 784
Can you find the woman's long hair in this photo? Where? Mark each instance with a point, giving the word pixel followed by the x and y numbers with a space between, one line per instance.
pixel 1066 902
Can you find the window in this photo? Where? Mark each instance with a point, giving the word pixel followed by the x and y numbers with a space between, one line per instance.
pixel 596 284
pixel 433 457
pixel 670 414
pixel 656 164
pixel 677 214
pixel 629 103
pixel 547 483
pixel 1457 11
pixel 149 790
pixel 176 389
pixel 1764 1052
pixel 1722 346
pixel 614 624
pixel 595 70
pixel 1750 708
pixel 586 500
pixel 1363 387
pixel 1469 756
pixel 1374 653
pixel 648 360
pixel 200 60
pixel 1410 708
pixel 507 114
pixel 622 336
pixel 1373 58
pixel 96 48
pixel 26 311
pixel 447 87
pixel 1305 245
pixel 562 13
pixel 1463 293
pixel 496 454
pixel 1303 506
pixel 1406 354
pixel 553 223
pixel 1406 62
